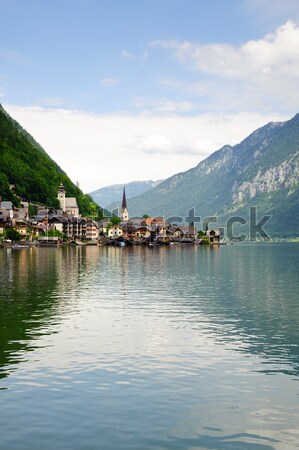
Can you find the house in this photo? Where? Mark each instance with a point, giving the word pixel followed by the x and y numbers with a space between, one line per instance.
pixel 43 211
pixel 214 236
pixel 115 231
pixel 22 228
pixel 103 226
pixel 76 228
pixel 20 214
pixel 188 231
pixel 6 211
pixel 92 231
pixel 58 223
pixel 175 232
pixel 142 232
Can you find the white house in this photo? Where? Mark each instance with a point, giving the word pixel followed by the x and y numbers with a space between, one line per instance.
pixel 115 231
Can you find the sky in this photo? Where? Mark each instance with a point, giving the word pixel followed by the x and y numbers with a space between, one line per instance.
pixel 117 91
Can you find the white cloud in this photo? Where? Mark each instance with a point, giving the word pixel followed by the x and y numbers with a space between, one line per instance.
pixel 139 58
pixel 109 82
pixel 162 106
pixel 160 145
pixel 127 55
pixel 257 74
pixel 99 150
pixel 54 101
pixel 277 51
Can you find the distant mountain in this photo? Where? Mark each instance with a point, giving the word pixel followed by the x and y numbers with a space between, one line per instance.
pixel 108 195
pixel 26 165
pixel 261 171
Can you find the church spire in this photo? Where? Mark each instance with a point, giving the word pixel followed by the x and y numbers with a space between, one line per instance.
pixel 124 214
pixel 124 203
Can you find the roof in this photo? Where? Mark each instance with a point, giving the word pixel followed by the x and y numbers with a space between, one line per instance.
pixel 57 219
pixel 6 205
pixel 103 223
pixel 71 202
pixel 124 202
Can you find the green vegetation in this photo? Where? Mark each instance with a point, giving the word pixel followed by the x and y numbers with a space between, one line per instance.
pixel 34 174
pixel 114 220
pixel 261 171
pixel 52 233
pixel 12 234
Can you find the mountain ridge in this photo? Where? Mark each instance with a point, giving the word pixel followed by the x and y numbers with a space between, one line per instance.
pixel 262 169
pixel 109 196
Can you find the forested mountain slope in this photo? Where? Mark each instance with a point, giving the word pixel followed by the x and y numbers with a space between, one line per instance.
pixel 261 171
pixel 36 177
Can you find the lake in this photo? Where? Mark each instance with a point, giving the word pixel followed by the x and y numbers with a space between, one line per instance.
pixel 175 347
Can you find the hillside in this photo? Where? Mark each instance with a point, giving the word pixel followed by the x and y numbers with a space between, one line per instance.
pixel 261 171
pixel 107 195
pixel 36 177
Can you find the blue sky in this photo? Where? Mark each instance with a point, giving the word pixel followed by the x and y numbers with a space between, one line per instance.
pixel 154 86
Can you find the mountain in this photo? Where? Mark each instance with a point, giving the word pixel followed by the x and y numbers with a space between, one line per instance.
pixel 107 195
pixel 261 171
pixel 26 165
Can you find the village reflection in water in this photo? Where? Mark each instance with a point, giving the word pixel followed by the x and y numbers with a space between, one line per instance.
pixel 182 338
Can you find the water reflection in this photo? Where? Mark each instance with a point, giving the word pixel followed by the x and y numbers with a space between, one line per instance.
pixel 246 296
pixel 150 348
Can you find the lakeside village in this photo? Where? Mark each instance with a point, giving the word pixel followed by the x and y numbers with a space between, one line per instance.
pixel 55 227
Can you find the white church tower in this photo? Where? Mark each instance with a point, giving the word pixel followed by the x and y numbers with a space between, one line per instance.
pixel 61 197
pixel 124 213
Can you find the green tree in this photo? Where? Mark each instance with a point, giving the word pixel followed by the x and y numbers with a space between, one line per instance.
pixel 12 234
pixel 52 233
pixel 115 220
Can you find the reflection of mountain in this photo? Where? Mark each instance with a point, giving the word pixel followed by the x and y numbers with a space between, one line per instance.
pixel 33 297
pixel 245 297
pixel 27 280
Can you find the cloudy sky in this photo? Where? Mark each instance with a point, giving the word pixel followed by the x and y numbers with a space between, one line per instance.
pixel 117 91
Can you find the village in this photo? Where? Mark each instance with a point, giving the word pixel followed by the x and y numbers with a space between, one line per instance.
pixel 51 227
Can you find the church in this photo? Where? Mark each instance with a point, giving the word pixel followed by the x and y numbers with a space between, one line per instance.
pixel 68 205
pixel 124 213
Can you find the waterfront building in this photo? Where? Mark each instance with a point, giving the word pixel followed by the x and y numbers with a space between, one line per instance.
pixel 69 205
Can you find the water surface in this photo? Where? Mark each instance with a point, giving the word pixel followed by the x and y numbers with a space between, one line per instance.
pixel 137 348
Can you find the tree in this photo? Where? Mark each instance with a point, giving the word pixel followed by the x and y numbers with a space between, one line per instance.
pixel 145 216
pixel 52 233
pixel 115 220
pixel 12 234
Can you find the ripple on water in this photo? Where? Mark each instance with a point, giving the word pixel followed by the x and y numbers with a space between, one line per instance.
pixel 137 348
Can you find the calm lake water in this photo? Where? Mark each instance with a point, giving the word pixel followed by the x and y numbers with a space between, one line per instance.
pixel 139 348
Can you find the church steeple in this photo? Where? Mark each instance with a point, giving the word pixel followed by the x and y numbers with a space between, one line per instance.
pixel 61 197
pixel 124 214
pixel 124 203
